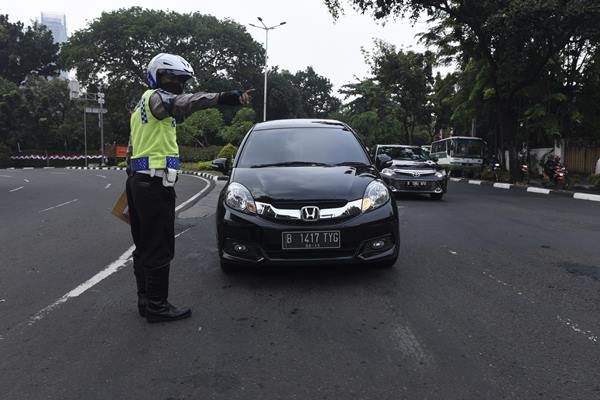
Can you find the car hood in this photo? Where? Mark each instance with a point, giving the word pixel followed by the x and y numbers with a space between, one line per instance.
pixel 305 183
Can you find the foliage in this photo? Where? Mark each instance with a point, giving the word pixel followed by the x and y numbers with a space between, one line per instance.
pixel 240 125
pixel 315 92
pixel 4 156
pixel 194 154
pixel 204 166
pixel 201 127
pixel 228 151
pixel 526 62
pixel 24 51
pixel 594 180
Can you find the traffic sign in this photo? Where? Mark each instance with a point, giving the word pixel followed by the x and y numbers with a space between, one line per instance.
pixel 95 110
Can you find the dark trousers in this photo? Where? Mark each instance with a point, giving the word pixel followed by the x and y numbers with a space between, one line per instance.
pixel 152 215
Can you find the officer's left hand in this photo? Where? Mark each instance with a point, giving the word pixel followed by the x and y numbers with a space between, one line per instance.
pixel 246 97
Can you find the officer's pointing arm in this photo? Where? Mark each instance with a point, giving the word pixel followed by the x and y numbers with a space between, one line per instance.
pixel 164 104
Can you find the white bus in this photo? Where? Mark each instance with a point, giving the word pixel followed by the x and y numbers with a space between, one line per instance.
pixel 459 153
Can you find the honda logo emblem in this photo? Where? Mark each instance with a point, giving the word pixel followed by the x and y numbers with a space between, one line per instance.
pixel 310 213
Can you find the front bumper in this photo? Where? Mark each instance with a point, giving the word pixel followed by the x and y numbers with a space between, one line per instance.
pixel 428 184
pixel 263 238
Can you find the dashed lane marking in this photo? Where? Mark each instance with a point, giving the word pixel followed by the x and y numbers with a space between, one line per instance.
pixel 110 269
pixel 26 180
pixel 107 186
pixel 5 176
pixel 575 327
pixel 15 189
pixel 101 176
pixel 60 205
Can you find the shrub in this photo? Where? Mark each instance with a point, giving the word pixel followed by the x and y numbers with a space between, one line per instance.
pixel 204 166
pixel 594 180
pixel 195 154
pixel 122 164
pixel 228 151
pixel 4 156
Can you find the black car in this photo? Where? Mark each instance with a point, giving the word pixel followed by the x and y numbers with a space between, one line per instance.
pixel 410 169
pixel 304 192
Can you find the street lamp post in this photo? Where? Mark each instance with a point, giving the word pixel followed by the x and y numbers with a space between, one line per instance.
pixel 266 29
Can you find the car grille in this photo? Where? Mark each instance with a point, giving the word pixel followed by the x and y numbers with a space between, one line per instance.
pixel 295 205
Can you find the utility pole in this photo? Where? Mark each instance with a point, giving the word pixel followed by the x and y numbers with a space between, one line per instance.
pixel 266 29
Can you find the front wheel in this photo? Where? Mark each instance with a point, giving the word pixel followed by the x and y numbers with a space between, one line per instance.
pixel 436 196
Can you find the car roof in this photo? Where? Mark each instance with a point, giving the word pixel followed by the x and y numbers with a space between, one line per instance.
pixel 299 123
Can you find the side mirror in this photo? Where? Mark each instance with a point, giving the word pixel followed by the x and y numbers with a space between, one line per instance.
pixel 383 161
pixel 221 165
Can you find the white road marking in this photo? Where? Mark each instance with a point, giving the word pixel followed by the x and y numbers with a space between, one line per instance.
pixel 6 176
pixel 407 343
pixel 107 186
pixel 586 196
pixel 29 167
pixel 455 179
pixel 453 252
pixel 15 189
pixel 514 289
pixel 60 205
pixel 113 267
pixel 26 180
pixel 474 182
pixel 502 185
pixel 59 173
pixel 588 334
pixel 102 176
pixel 538 190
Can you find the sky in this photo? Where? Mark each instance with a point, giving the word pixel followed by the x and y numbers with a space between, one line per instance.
pixel 310 36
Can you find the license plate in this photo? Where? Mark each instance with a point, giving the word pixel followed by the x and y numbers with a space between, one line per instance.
pixel 416 183
pixel 310 240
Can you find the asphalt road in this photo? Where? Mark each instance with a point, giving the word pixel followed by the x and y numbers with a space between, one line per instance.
pixel 496 295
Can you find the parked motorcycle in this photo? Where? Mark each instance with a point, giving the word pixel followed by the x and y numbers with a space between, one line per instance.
pixel 556 172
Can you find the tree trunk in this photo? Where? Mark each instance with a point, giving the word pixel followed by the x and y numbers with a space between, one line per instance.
pixel 508 123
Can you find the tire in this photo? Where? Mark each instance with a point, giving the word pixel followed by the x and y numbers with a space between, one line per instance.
pixel 436 196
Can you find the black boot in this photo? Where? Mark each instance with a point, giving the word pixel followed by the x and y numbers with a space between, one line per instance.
pixel 158 309
pixel 140 280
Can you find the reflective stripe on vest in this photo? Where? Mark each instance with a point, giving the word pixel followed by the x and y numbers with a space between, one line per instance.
pixel 154 141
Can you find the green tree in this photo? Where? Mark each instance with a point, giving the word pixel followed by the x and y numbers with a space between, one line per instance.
pixel 315 91
pixel 240 125
pixel 515 41
pixel 26 50
pixel 113 51
pixel 201 127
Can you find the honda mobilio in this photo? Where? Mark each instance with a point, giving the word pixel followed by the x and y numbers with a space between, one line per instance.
pixel 304 192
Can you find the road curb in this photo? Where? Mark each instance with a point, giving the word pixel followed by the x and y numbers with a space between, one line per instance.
pixel 182 172
pixel 530 189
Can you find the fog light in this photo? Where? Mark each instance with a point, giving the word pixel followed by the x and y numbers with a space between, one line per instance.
pixel 240 248
pixel 377 244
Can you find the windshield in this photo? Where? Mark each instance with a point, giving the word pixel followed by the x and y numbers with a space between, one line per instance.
pixel 292 147
pixel 467 148
pixel 405 153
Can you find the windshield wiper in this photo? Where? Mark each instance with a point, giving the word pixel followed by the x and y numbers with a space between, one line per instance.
pixel 291 164
pixel 352 164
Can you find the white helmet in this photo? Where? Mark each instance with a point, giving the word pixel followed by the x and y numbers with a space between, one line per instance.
pixel 168 63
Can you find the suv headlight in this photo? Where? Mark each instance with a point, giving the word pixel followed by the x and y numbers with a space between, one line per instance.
pixel 239 198
pixel 387 172
pixel 375 196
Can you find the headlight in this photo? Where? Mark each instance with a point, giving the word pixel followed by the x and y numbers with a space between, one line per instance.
pixel 375 196
pixel 387 172
pixel 440 174
pixel 239 198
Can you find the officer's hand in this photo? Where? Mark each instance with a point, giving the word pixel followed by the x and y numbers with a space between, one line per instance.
pixel 246 97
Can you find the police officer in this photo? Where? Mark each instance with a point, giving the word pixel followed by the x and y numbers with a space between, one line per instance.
pixel 153 171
